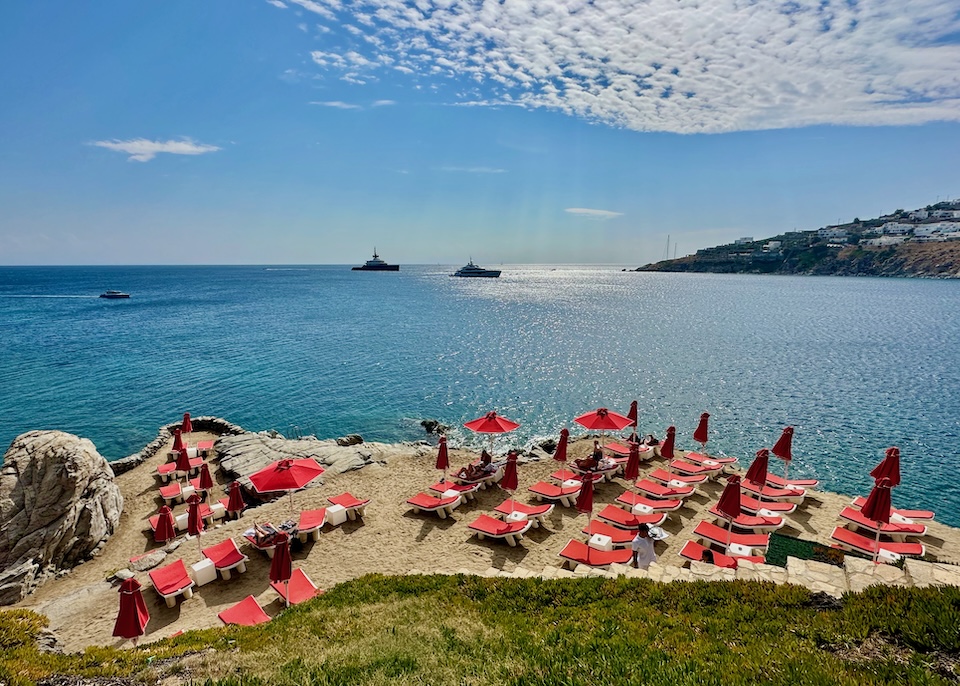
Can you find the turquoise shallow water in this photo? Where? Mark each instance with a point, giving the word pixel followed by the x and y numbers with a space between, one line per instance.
pixel 855 365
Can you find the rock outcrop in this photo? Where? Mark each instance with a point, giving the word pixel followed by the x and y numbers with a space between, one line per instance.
pixel 58 506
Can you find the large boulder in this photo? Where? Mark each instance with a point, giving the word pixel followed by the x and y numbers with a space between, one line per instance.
pixel 58 506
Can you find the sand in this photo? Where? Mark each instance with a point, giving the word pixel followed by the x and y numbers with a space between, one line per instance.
pixel 391 539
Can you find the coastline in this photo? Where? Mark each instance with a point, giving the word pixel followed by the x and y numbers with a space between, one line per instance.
pixel 390 539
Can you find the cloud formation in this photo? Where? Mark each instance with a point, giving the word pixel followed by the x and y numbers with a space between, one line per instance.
pixel 688 66
pixel 336 104
pixel 143 150
pixel 474 170
pixel 593 214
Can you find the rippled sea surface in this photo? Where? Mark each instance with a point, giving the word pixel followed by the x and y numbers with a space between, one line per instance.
pixel 855 365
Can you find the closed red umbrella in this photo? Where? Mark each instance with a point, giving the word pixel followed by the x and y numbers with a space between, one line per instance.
pixel 166 526
pixel 206 481
pixel 889 467
pixel 632 469
pixel 443 457
pixel 560 454
pixel 509 481
pixel 632 414
pixel 492 423
pixel 177 440
pixel 700 435
pixel 783 449
pixel 281 567
pixel 183 461
pixel 667 447
pixel 235 501
pixel 194 520
pixel 877 508
pixel 286 475
pixel 758 470
pixel 187 426
pixel 133 616
pixel 729 505
pixel 585 499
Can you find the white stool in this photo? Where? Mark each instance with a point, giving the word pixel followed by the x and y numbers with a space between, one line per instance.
pixel 181 521
pixel 571 483
pixel 336 515
pixel 600 542
pixel 516 517
pixel 218 510
pixel 203 572
pixel 641 509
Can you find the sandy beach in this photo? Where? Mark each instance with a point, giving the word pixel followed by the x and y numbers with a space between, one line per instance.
pixel 391 539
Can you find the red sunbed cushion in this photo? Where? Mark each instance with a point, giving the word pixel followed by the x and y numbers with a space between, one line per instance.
pixel 171 578
pixel 868 545
pixel 630 499
pixel 552 491
pixel 859 501
pixel 667 477
pixel 347 501
pixel 311 519
pixel 171 491
pixel 508 506
pixel 698 458
pixel 753 505
pixel 580 552
pixel 690 468
pixel 618 536
pixel 720 535
pixel 659 491
pixel 780 482
pixel 694 551
pixel 224 554
pixel 300 587
pixel 747 521
pixel 496 527
pixel 627 520
pixel 769 492
pixel 245 613
pixel 425 501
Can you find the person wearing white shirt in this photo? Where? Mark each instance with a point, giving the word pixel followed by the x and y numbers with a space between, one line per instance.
pixel 642 545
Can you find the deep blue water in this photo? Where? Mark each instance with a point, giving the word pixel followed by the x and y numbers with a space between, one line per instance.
pixel 855 365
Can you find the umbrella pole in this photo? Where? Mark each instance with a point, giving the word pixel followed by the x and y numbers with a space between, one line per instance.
pixel 286 591
pixel 729 536
pixel 876 544
pixel 786 469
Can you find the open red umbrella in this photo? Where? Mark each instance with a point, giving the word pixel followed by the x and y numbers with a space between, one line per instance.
pixel 187 426
pixel 877 508
pixel 585 499
pixel 235 501
pixel 603 420
pixel 729 505
pixel 491 423
pixel 632 469
pixel 783 449
pixel 194 520
pixel 667 447
pixel 701 434
pixel 889 467
pixel 560 454
pixel 758 469
pixel 443 457
pixel 166 526
pixel 133 616
pixel 286 475
pixel 206 481
pixel 632 414
pixel 177 441
pixel 281 567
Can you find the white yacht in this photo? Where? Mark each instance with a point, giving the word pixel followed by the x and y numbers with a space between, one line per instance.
pixel 473 270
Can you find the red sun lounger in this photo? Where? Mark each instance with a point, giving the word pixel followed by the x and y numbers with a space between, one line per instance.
pixel 172 580
pixel 298 589
pixel 694 551
pixel 715 534
pixel 779 482
pixel 655 490
pixel 668 478
pixel 700 458
pixel 754 506
pixel 619 537
pixel 579 553
pixel 859 502
pixel 757 524
pixel 691 469
pixel 634 501
pixel 598 474
pixel 245 613
pixel 562 475
pixel 790 495
pixel 171 493
pixel 226 556
pixel 511 532
pixel 898 531
pixel 889 552
pixel 627 520
pixel 310 523
pixel 354 506
pixel 534 513
pixel 429 503
pixel 468 491
pixel 565 495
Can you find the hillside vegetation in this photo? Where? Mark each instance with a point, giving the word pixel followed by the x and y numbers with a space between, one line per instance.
pixel 473 630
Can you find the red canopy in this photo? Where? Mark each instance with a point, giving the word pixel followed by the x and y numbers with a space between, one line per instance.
pixel 187 426
pixel 667 447
pixel 443 457
pixel 560 454
pixel 206 481
pixel 235 501
pixel 509 480
pixel 784 446
pixel 133 616
pixel 585 499
pixel 729 503
pixel 758 470
pixel 166 527
pixel 632 414
pixel 286 475
pixel 177 441
pixel 281 567
pixel 491 423
pixel 889 467
pixel 194 520
pixel 701 435
pixel 877 507
pixel 632 470
pixel 183 459
pixel 603 419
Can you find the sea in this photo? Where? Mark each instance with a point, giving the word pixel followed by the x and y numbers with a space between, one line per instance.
pixel 853 364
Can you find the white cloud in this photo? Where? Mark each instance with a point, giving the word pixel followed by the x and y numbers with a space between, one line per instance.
pixel 337 104
pixel 143 150
pixel 593 214
pixel 302 27
pixel 669 65
pixel 384 103
pixel 474 170
pixel 278 3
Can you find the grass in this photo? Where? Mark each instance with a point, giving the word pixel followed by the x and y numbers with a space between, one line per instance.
pixel 526 632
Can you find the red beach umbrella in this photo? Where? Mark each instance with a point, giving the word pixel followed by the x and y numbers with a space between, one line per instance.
pixel 206 481
pixel 509 481
pixel 632 470
pixel 758 470
pixel 603 420
pixel 177 441
pixel 729 504
pixel 632 414
pixel 187 426
pixel 877 508
pixel 281 567
pixel 235 499
pixel 585 499
pixel 667 447
pixel 183 461
pixel 701 435
pixel 133 616
pixel 443 457
pixel 560 454
pixel 286 475
pixel 491 423
pixel 783 449
pixel 889 467
pixel 194 520
pixel 166 527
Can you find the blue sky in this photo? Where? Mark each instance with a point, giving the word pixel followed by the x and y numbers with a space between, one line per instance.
pixel 308 131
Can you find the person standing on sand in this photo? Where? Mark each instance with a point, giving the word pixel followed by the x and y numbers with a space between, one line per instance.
pixel 642 545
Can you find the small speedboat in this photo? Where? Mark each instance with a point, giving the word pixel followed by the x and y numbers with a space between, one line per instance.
pixel 114 295
pixel 473 270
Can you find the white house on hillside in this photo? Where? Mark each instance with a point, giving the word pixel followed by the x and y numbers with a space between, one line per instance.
pixel 895 229
pixel 833 234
